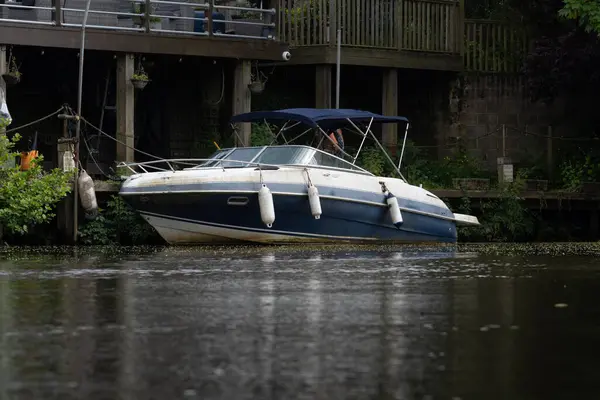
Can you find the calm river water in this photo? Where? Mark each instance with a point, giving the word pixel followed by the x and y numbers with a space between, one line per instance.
pixel 269 323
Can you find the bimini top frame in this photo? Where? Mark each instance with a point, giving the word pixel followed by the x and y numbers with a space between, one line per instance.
pixel 324 120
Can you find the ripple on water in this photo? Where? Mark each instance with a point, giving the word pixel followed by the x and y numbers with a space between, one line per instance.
pixel 336 323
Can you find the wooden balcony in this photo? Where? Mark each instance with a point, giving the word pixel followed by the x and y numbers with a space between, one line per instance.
pixel 212 28
pixel 424 34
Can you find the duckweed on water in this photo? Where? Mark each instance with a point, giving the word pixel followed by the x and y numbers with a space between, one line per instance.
pixel 500 249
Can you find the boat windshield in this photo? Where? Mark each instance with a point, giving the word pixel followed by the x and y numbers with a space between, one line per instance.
pixel 276 155
pixel 215 157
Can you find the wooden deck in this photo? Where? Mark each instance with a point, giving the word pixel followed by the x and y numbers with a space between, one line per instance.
pixel 424 34
pixel 420 34
pixel 129 26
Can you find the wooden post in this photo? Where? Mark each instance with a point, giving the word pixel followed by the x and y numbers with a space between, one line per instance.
pixel 461 27
pixel 57 16
pixel 242 100
pixel 147 13
pixel 125 108
pixel 64 210
pixel 209 15
pixel 389 107
pixel 399 19
pixel 323 86
pixel 333 26
pixel 549 155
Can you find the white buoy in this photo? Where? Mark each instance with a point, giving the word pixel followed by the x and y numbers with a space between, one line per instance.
pixel 265 203
pixel 314 201
pixel 394 208
pixel 87 193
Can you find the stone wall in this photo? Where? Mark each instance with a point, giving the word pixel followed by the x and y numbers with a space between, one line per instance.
pixel 486 105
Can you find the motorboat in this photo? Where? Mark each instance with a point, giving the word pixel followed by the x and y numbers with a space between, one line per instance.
pixel 289 193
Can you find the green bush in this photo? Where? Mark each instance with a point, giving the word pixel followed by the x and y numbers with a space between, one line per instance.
pixel 27 198
pixel 117 224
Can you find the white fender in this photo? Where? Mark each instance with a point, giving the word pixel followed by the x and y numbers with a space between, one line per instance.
pixel 87 193
pixel 394 208
pixel 265 203
pixel 314 201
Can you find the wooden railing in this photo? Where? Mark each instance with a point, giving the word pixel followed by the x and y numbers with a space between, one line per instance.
pixel 210 18
pixel 432 25
pixel 416 25
pixel 494 47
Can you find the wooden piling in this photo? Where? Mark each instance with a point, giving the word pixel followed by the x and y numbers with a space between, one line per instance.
pixel 125 108
pixel 390 108
pixel 242 100
pixel 323 86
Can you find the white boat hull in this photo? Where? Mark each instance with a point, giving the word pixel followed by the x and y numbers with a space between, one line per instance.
pixel 196 207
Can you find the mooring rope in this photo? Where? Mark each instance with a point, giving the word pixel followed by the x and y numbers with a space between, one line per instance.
pixel 37 121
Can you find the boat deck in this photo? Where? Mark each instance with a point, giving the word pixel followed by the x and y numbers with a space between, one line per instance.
pixel 552 200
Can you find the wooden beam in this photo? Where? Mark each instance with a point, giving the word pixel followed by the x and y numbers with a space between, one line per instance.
pixel 389 107
pixel 242 100
pixel 323 75
pixel 383 58
pixel 125 108
pixel 139 42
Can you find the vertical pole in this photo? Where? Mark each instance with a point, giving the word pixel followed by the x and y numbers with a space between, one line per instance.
pixel 78 128
pixel 503 140
pixel 549 155
pixel 403 146
pixel 338 68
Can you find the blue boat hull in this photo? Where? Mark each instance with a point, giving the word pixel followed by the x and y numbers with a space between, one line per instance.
pixel 196 218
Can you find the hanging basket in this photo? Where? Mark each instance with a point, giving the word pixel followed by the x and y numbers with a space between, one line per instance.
pixel 11 78
pixel 256 87
pixel 139 83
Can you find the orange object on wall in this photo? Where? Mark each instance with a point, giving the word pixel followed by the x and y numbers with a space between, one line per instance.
pixel 27 158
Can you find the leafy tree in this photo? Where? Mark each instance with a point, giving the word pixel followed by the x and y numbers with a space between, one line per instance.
pixel 564 60
pixel 586 12
pixel 27 198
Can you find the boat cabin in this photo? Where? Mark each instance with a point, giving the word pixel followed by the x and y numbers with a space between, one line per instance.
pixel 275 156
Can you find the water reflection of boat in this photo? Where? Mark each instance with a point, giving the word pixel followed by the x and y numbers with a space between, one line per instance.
pixel 288 193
